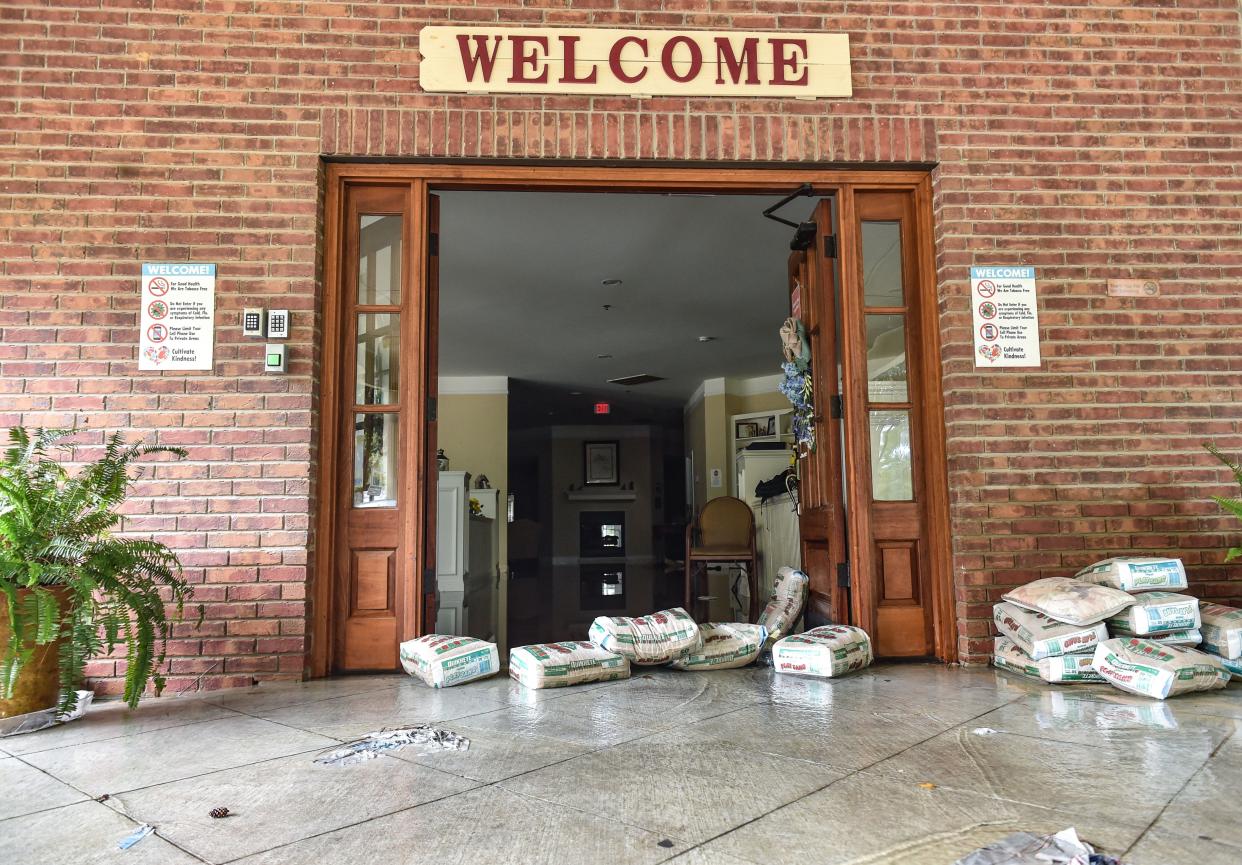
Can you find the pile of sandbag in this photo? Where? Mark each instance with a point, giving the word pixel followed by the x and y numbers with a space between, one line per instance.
pixel 672 637
pixel 1121 621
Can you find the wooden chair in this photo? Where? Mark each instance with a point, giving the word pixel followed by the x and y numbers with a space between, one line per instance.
pixel 724 533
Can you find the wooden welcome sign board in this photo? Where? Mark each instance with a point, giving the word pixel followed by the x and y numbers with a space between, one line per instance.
pixel 486 59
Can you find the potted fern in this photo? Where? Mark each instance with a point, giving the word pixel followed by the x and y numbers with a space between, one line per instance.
pixel 1232 505
pixel 70 588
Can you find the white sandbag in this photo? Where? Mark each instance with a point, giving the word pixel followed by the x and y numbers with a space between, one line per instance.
pixel 1057 669
pixel 1232 665
pixel 558 665
pixel 1136 573
pixel 1069 600
pixel 654 639
pixel 442 660
pixel 1042 637
pixel 1191 637
pixel 725 646
pixel 784 608
pixel 1156 613
pixel 1222 630
pixel 1151 670
pixel 826 651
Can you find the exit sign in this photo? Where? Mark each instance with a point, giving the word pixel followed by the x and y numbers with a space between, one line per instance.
pixel 603 408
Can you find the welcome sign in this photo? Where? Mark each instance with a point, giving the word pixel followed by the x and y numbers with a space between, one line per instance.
pixel 486 59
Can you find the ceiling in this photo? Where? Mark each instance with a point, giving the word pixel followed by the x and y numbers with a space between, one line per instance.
pixel 521 290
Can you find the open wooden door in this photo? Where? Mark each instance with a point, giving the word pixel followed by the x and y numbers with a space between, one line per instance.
pixel 888 389
pixel 431 389
pixel 372 558
pixel 821 520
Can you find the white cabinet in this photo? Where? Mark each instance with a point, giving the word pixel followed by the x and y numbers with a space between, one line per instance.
pixel 752 467
pixel 777 541
pixel 466 558
pixel 452 540
pixel 483 568
pixel 755 427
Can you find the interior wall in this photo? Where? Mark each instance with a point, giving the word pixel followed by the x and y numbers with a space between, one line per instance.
pixel 474 434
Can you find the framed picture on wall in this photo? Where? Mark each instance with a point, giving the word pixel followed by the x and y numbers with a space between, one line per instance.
pixel 601 463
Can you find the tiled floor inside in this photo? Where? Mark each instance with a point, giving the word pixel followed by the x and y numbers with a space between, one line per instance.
pixel 897 764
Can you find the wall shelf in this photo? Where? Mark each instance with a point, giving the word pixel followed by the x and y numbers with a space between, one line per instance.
pixel 601 496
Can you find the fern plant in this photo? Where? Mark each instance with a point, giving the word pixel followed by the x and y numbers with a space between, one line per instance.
pixel 57 539
pixel 1232 505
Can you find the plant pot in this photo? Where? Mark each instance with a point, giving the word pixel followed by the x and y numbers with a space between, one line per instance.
pixel 38 683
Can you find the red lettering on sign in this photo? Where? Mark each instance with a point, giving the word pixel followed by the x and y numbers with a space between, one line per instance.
pixel 569 70
pixel 524 55
pixel 614 59
pixel 781 62
pixel 696 58
pixel 726 58
pixel 471 60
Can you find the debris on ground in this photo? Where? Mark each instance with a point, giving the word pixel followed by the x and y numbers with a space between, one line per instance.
pixel 1027 848
pixel 556 665
pixel 375 743
pixel 219 813
pixel 826 651
pixel 665 843
pixel 44 718
pixel 441 660
pixel 653 639
pixel 134 837
pixel 726 645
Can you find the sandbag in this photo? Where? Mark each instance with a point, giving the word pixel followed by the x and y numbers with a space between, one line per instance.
pixel 1136 573
pixel 1149 669
pixel 1190 637
pixel 725 646
pixel 1057 669
pixel 558 665
pixel 1222 630
pixel 1156 613
pixel 441 660
pixel 1042 637
pixel 654 639
pixel 1232 665
pixel 784 607
pixel 826 651
pixel 1069 600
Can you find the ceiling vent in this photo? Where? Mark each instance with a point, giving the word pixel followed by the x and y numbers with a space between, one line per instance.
pixel 642 378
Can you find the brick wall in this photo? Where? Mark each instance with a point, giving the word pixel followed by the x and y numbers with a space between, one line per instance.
pixel 1091 140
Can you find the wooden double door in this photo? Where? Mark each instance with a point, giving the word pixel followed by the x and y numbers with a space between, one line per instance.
pixel 874 511
pixel 868 539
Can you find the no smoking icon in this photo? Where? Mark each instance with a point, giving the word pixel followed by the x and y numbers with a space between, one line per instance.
pixel 986 288
pixel 158 286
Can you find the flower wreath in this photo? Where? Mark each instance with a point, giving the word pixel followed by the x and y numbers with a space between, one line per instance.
pixel 796 384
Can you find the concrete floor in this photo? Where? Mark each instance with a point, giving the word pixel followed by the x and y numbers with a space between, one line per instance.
pixel 897 764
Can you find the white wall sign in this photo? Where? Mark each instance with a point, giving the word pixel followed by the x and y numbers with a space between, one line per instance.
pixel 177 325
pixel 483 58
pixel 1006 316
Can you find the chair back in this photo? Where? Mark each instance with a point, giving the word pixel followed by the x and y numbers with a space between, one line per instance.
pixel 726 522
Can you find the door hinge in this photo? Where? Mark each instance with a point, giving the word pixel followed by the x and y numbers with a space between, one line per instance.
pixel 433 243
pixel 836 407
pixel 830 246
pixel 432 409
pixel 843 575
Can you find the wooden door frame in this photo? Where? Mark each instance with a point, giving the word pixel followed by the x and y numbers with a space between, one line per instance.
pixel 424 178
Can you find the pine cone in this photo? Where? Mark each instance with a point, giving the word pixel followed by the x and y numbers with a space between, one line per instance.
pixel 217 813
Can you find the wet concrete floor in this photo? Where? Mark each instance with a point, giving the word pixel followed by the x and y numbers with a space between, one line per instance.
pixel 896 764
